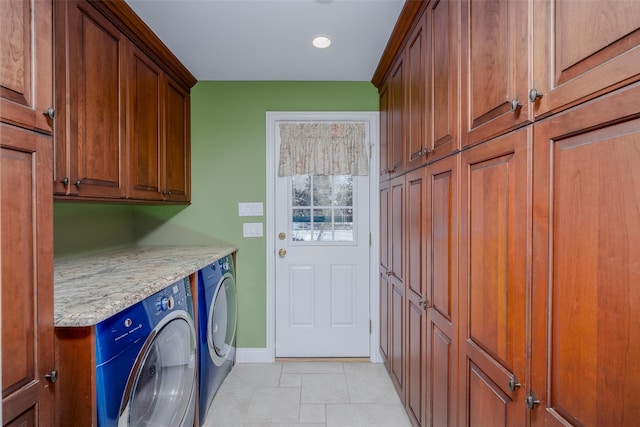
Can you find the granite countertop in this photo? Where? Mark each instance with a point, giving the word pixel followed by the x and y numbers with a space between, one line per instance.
pixel 89 289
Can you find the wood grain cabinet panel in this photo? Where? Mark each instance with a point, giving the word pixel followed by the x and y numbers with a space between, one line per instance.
pixel 586 315
pixel 385 266
pixel 582 50
pixel 443 78
pixel 384 132
pixel 145 138
pixel 441 280
pixel 494 226
pixel 177 147
pixel 396 281
pixel 26 239
pixel 495 51
pixel 397 113
pixel 26 80
pixel 416 336
pixel 91 98
pixel 416 93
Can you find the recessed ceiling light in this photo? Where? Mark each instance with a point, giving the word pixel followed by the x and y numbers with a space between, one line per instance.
pixel 321 42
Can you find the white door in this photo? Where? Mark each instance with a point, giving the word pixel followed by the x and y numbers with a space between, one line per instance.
pixel 321 265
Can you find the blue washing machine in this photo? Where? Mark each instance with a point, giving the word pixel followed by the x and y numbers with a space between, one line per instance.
pixel 217 319
pixel 146 362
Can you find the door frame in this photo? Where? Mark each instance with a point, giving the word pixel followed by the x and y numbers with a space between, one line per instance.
pixel 372 118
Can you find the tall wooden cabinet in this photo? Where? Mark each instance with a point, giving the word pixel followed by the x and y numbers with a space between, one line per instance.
pixel 585 334
pixel 26 217
pixel 521 244
pixel 493 266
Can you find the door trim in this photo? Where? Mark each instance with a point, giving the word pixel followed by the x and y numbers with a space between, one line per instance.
pixel 372 118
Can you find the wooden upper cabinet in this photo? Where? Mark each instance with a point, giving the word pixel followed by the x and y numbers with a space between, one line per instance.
pixel 145 138
pixel 582 50
pixel 26 80
pixel 384 132
pixel 493 268
pixel 396 119
pixel 26 242
pixel 495 68
pixel 91 95
pixel 416 90
pixel 177 149
pixel 122 131
pixel 586 299
pixel 443 77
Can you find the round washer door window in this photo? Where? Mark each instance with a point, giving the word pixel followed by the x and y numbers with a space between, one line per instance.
pixel 222 320
pixel 162 393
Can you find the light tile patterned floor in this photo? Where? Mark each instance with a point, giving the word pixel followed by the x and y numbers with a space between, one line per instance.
pixel 307 394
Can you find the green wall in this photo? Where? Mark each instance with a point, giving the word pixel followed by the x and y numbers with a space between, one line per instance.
pixel 228 166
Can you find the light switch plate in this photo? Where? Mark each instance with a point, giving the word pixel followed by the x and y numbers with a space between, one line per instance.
pixel 250 209
pixel 252 229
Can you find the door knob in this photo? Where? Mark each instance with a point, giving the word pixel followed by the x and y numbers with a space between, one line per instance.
pixel 282 252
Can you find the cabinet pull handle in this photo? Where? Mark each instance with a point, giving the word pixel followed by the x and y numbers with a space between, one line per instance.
pixel 531 400
pixel 513 383
pixel 52 376
pixel 515 105
pixel 78 183
pixel 65 180
pixel 534 95
pixel 50 112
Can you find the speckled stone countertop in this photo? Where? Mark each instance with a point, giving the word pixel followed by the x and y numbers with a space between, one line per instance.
pixel 89 289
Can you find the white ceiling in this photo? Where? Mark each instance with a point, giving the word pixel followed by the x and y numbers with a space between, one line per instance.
pixel 271 39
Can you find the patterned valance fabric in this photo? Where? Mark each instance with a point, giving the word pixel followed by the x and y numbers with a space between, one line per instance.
pixel 323 148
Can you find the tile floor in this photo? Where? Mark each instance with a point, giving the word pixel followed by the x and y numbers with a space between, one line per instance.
pixel 307 394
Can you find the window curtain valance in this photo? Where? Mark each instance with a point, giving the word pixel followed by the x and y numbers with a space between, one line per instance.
pixel 323 149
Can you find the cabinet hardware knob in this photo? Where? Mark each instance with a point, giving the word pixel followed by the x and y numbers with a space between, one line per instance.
pixel 531 400
pixel 282 252
pixel 52 376
pixel 50 112
pixel 534 95
pixel 515 105
pixel 168 193
pixel 423 303
pixel 389 273
pixel 78 183
pixel 65 180
pixel 513 383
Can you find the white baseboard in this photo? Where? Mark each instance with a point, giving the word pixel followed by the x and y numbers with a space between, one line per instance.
pixel 253 355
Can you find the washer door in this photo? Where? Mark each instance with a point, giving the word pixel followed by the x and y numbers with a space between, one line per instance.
pixel 161 387
pixel 223 316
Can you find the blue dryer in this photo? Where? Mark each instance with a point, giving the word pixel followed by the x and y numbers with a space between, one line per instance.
pixel 146 362
pixel 217 319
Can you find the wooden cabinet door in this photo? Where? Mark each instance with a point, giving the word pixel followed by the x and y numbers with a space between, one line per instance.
pixel 397 120
pixel 495 68
pixel 385 267
pixel 384 132
pixel 494 231
pixel 443 76
pixel 145 129
pixel 586 270
pixel 417 77
pixel 91 94
pixel 416 244
pixel 26 55
pixel 442 292
pixel 177 146
pixel 26 242
pixel 583 49
pixel 396 280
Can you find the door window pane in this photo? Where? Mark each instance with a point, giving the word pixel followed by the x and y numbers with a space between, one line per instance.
pixel 322 208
